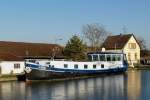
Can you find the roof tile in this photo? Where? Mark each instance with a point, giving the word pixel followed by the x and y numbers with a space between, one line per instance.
pixel 22 49
pixel 116 42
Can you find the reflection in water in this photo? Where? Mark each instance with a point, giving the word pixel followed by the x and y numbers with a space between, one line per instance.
pixel 134 85
pixel 12 91
pixel 113 87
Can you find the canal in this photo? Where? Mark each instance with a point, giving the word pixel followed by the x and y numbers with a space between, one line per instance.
pixel 134 85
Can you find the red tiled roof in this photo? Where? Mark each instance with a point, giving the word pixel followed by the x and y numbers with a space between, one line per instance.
pixel 9 57
pixel 22 49
pixel 116 42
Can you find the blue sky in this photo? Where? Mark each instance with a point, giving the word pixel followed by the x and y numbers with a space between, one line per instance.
pixel 49 20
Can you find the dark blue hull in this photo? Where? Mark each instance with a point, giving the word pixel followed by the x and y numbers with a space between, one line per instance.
pixel 56 73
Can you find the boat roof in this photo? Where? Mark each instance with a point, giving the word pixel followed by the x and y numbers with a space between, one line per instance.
pixel 105 53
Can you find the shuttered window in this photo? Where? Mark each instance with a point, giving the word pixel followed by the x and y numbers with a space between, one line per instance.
pixel 16 66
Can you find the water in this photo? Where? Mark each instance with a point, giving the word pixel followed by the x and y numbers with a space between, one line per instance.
pixel 134 85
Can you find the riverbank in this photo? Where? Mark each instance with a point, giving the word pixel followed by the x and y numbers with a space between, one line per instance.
pixel 4 78
pixel 140 67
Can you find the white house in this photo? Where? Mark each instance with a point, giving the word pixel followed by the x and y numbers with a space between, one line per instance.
pixel 10 64
pixel 126 43
pixel 12 67
pixel 13 55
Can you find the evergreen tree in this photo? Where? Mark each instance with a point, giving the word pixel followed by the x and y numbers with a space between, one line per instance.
pixel 75 49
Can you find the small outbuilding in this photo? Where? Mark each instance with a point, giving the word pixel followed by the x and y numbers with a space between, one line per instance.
pixel 14 54
pixel 11 64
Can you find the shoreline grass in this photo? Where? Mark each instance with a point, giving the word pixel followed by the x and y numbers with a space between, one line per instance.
pixel 4 78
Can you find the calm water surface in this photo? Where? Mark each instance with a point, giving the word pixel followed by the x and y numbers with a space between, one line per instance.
pixel 134 85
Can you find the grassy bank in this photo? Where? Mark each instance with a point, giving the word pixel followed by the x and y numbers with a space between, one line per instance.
pixel 8 78
pixel 140 67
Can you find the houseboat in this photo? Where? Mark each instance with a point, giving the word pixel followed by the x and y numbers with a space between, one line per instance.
pixel 97 63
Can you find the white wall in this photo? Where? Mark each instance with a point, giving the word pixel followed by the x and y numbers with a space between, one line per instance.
pixel 7 67
pixel 132 52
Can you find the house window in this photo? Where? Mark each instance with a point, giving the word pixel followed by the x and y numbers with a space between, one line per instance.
pixel 0 70
pixel 85 66
pixel 65 65
pixel 135 56
pixel 132 45
pixel 16 66
pixel 94 66
pixel 129 56
pixel 76 66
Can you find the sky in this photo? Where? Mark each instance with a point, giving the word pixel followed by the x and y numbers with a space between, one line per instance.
pixel 55 21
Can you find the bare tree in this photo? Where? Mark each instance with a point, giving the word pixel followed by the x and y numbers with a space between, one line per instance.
pixel 95 34
pixel 142 43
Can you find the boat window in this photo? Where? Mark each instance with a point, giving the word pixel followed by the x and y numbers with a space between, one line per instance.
pixel 48 63
pixel 85 66
pixel 113 57
pixel 52 66
pixel 108 57
pixel 95 57
pixel 33 61
pixel 76 66
pixel 102 65
pixel 125 58
pixel 65 65
pixel 102 57
pixel 118 57
pixel 89 57
pixel 94 66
